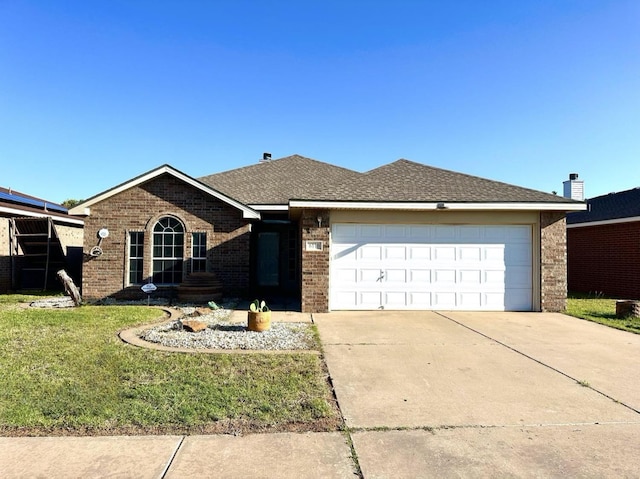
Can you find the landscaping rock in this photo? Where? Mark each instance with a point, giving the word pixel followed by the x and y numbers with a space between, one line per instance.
pixel 193 325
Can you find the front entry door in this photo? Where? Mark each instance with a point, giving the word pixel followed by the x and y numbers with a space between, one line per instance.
pixel 268 259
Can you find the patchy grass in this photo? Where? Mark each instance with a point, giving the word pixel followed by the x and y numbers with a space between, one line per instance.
pixel 600 310
pixel 66 372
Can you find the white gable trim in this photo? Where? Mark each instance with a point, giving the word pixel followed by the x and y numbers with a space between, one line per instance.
pixel 270 207
pixel 85 207
pixel 631 219
pixel 362 205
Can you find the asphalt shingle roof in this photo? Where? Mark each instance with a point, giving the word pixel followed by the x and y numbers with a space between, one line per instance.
pixel 277 181
pixel 408 181
pixel 625 204
pixel 300 178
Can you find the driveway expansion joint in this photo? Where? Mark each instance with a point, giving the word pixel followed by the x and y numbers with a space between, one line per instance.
pixel 172 458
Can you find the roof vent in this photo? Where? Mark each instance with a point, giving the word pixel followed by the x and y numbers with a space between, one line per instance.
pixel 265 157
pixel 574 188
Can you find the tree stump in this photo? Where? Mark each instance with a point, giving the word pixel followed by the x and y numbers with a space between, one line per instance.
pixel 70 287
pixel 628 308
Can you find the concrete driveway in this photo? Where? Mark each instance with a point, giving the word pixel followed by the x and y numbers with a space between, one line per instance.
pixel 444 394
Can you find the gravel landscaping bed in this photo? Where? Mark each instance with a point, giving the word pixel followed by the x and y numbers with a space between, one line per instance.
pixel 222 334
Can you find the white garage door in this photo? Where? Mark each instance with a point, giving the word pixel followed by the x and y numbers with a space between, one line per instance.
pixel 431 267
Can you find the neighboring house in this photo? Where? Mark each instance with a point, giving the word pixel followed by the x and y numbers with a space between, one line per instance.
pixel 402 236
pixel 37 239
pixel 603 245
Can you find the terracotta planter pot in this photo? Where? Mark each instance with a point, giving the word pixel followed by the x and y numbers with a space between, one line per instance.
pixel 259 321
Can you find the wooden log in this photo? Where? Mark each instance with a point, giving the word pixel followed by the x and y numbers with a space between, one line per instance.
pixel 627 308
pixel 70 287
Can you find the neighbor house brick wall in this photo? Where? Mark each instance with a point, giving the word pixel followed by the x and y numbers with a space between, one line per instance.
pixel 553 261
pixel 138 209
pixel 315 264
pixel 605 260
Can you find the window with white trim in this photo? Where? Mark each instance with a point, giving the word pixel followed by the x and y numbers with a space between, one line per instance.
pixel 198 252
pixel 168 251
pixel 136 257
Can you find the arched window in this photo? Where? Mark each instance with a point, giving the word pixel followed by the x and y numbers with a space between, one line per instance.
pixel 168 251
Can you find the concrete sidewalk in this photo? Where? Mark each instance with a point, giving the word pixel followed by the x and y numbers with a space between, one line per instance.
pixel 256 456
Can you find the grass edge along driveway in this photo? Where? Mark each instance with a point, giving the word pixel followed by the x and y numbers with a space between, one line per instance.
pixel 66 372
pixel 600 310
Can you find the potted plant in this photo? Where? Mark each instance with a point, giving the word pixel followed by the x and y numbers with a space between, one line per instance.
pixel 259 316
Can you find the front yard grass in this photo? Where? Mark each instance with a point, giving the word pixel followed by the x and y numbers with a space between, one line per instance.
pixel 66 372
pixel 600 310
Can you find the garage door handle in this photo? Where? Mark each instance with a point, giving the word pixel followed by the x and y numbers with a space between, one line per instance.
pixel 381 276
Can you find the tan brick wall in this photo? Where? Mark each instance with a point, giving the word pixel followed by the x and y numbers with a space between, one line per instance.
pixel 70 236
pixel 138 209
pixel 553 261
pixel 315 264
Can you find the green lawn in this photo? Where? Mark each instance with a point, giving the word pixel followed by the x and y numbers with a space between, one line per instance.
pixel 600 310
pixel 66 371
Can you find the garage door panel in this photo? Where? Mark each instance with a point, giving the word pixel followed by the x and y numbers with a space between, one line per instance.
pixel 395 232
pixel 370 299
pixel 395 253
pixel 494 277
pixel 444 300
pixel 370 252
pixel 395 276
pixel 469 234
pixel 444 253
pixel 420 234
pixel 345 275
pixel 419 300
pixel 517 300
pixel 370 275
pixel 395 300
pixel 518 277
pixel 493 253
pixel 470 253
pixel 466 267
pixel 470 277
pixel 419 276
pixel 370 232
pixel 517 254
pixel 444 234
pixel 418 253
pixel 444 276
pixel 343 233
pixel 471 300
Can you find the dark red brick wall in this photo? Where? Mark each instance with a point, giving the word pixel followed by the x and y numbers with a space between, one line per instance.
pixel 605 259
pixel 315 264
pixel 553 261
pixel 138 209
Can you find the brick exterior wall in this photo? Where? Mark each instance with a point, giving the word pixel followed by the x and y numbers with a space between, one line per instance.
pixel 605 259
pixel 138 209
pixel 553 261
pixel 315 264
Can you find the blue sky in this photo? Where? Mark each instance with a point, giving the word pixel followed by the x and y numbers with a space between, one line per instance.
pixel 93 93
